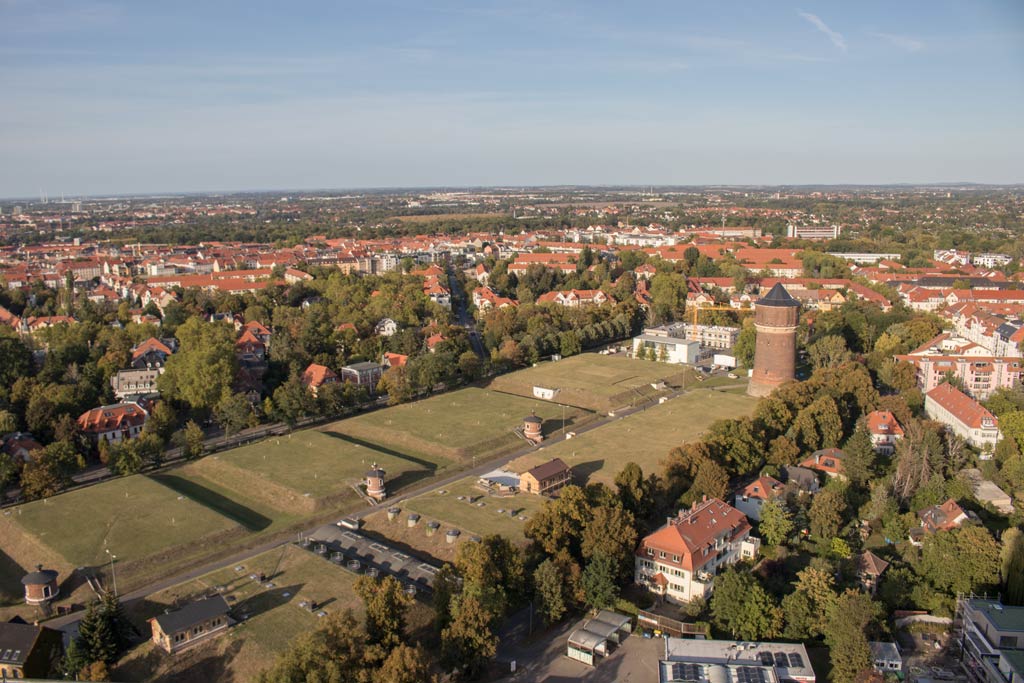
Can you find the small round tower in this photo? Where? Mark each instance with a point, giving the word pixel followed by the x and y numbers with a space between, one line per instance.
pixel 776 316
pixel 531 428
pixel 40 586
pixel 375 483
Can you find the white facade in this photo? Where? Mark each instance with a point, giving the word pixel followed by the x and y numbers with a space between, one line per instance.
pixel 669 349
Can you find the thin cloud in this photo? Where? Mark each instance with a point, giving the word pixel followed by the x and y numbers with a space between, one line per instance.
pixel 907 43
pixel 837 38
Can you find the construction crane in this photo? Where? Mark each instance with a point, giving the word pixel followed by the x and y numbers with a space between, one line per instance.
pixel 695 335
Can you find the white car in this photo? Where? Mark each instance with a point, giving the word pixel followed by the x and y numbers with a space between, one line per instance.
pixel 732 375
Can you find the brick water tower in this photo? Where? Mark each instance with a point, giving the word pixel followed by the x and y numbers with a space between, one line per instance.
pixel 375 487
pixel 775 316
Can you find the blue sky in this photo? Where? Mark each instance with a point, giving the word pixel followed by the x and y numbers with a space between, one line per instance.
pixel 107 97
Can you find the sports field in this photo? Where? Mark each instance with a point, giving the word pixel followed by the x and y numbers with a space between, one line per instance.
pixel 269 617
pixel 134 517
pixel 593 381
pixel 645 437
pixel 455 426
pixel 311 469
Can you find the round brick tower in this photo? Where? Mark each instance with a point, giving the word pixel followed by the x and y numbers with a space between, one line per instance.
pixel 775 317
pixel 375 487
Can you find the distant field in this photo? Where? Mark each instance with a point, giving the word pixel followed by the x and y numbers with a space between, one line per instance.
pixel 134 517
pixel 593 381
pixel 454 426
pixel 644 438
pixel 272 620
pixel 322 463
pixel 435 217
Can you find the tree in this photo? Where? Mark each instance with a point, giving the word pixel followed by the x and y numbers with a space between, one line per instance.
pixel 549 588
pixel 333 653
pixel 776 522
pixel 962 560
pixel 634 491
pixel 598 581
pixel 8 422
pixel 710 480
pixel 232 412
pixel 1012 560
pixel 819 425
pixel 405 664
pixel 161 421
pixel 850 622
pixel 826 513
pixel 561 521
pixel 807 607
pixel 293 401
pixel 386 604
pixel 446 586
pixel 828 352
pixel 467 643
pixel 859 456
pixel 101 632
pixel 43 477
pixel 746 344
pixel 194 440
pixel 204 366
pixel 611 533
pixel 741 607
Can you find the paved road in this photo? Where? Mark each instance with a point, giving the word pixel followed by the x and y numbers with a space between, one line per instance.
pixel 460 307
pixel 476 470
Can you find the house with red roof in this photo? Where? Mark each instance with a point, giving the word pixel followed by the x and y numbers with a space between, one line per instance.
pixel 827 460
pixel 751 498
pixel 935 518
pixel 679 561
pixel 113 423
pixel 963 416
pixel 394 360
pixel 574 298
pixel 151 353
pixel 885 431
pixel 316 376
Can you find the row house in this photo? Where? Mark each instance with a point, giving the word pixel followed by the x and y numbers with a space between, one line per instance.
pixel 963 416
pixel 679 561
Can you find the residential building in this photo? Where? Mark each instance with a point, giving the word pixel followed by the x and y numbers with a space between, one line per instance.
pixel 134 383
pixel 316 376
pixel 885 431
pixel 813 232
pixel 19 445
pixel 991 639
pixel 829 461
pixel 963 416
pixel 152 353
pixel 801 478
pixel 870 568
pixel 935 518
pixel 386 327
pixel 196 622
pixel 546 479
pixel 752 497
pixel 574 298
pixel 728 661
pixel 710 336
pixel 113 423
pixel 679 561
pixel 978 369
pixel 365 374
pixel 28 651
pixel 886 657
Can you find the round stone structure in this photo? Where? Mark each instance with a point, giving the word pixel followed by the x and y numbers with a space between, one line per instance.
pixel 532 428
pixel 375 483
pixel 40 586
pixel 776 315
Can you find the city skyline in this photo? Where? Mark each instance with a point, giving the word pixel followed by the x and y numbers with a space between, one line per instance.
pixel 109 98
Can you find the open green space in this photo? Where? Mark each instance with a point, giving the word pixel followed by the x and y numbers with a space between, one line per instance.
pixel 645 437
pixel 311 469
pixel 468 515
pixel 456 426
pixel 135 517
pixel 593 381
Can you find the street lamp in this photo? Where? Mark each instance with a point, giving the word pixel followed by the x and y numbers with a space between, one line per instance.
pixel 113 572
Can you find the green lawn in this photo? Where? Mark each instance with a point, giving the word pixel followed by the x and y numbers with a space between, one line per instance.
pixel 593 381
pixel 471 517
pixel 644 438
pixel 456 426
pixel 134 517
pixel 297 472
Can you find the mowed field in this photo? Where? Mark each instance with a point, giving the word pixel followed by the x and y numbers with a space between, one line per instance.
pixel 135 517
pixel 593 381
pixel 270 617
pixel 645 437
pixel 456 426
pixel 312 469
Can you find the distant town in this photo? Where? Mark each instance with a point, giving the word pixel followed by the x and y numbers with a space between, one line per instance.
pixel 667 434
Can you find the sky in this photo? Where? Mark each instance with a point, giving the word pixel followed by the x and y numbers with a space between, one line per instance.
pixel 103 98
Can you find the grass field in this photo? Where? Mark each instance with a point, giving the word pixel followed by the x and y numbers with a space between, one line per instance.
pixel 593 381
pixel 134 517
pixel 311 469
pixel 456 426
pixel 272 616
pixel 644 438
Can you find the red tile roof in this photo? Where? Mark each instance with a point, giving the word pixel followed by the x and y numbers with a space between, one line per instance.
pixel 883 422
pixel 317 375
pixel 763 488
pixel 151 344
pixel 693 531
pixel 961 406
